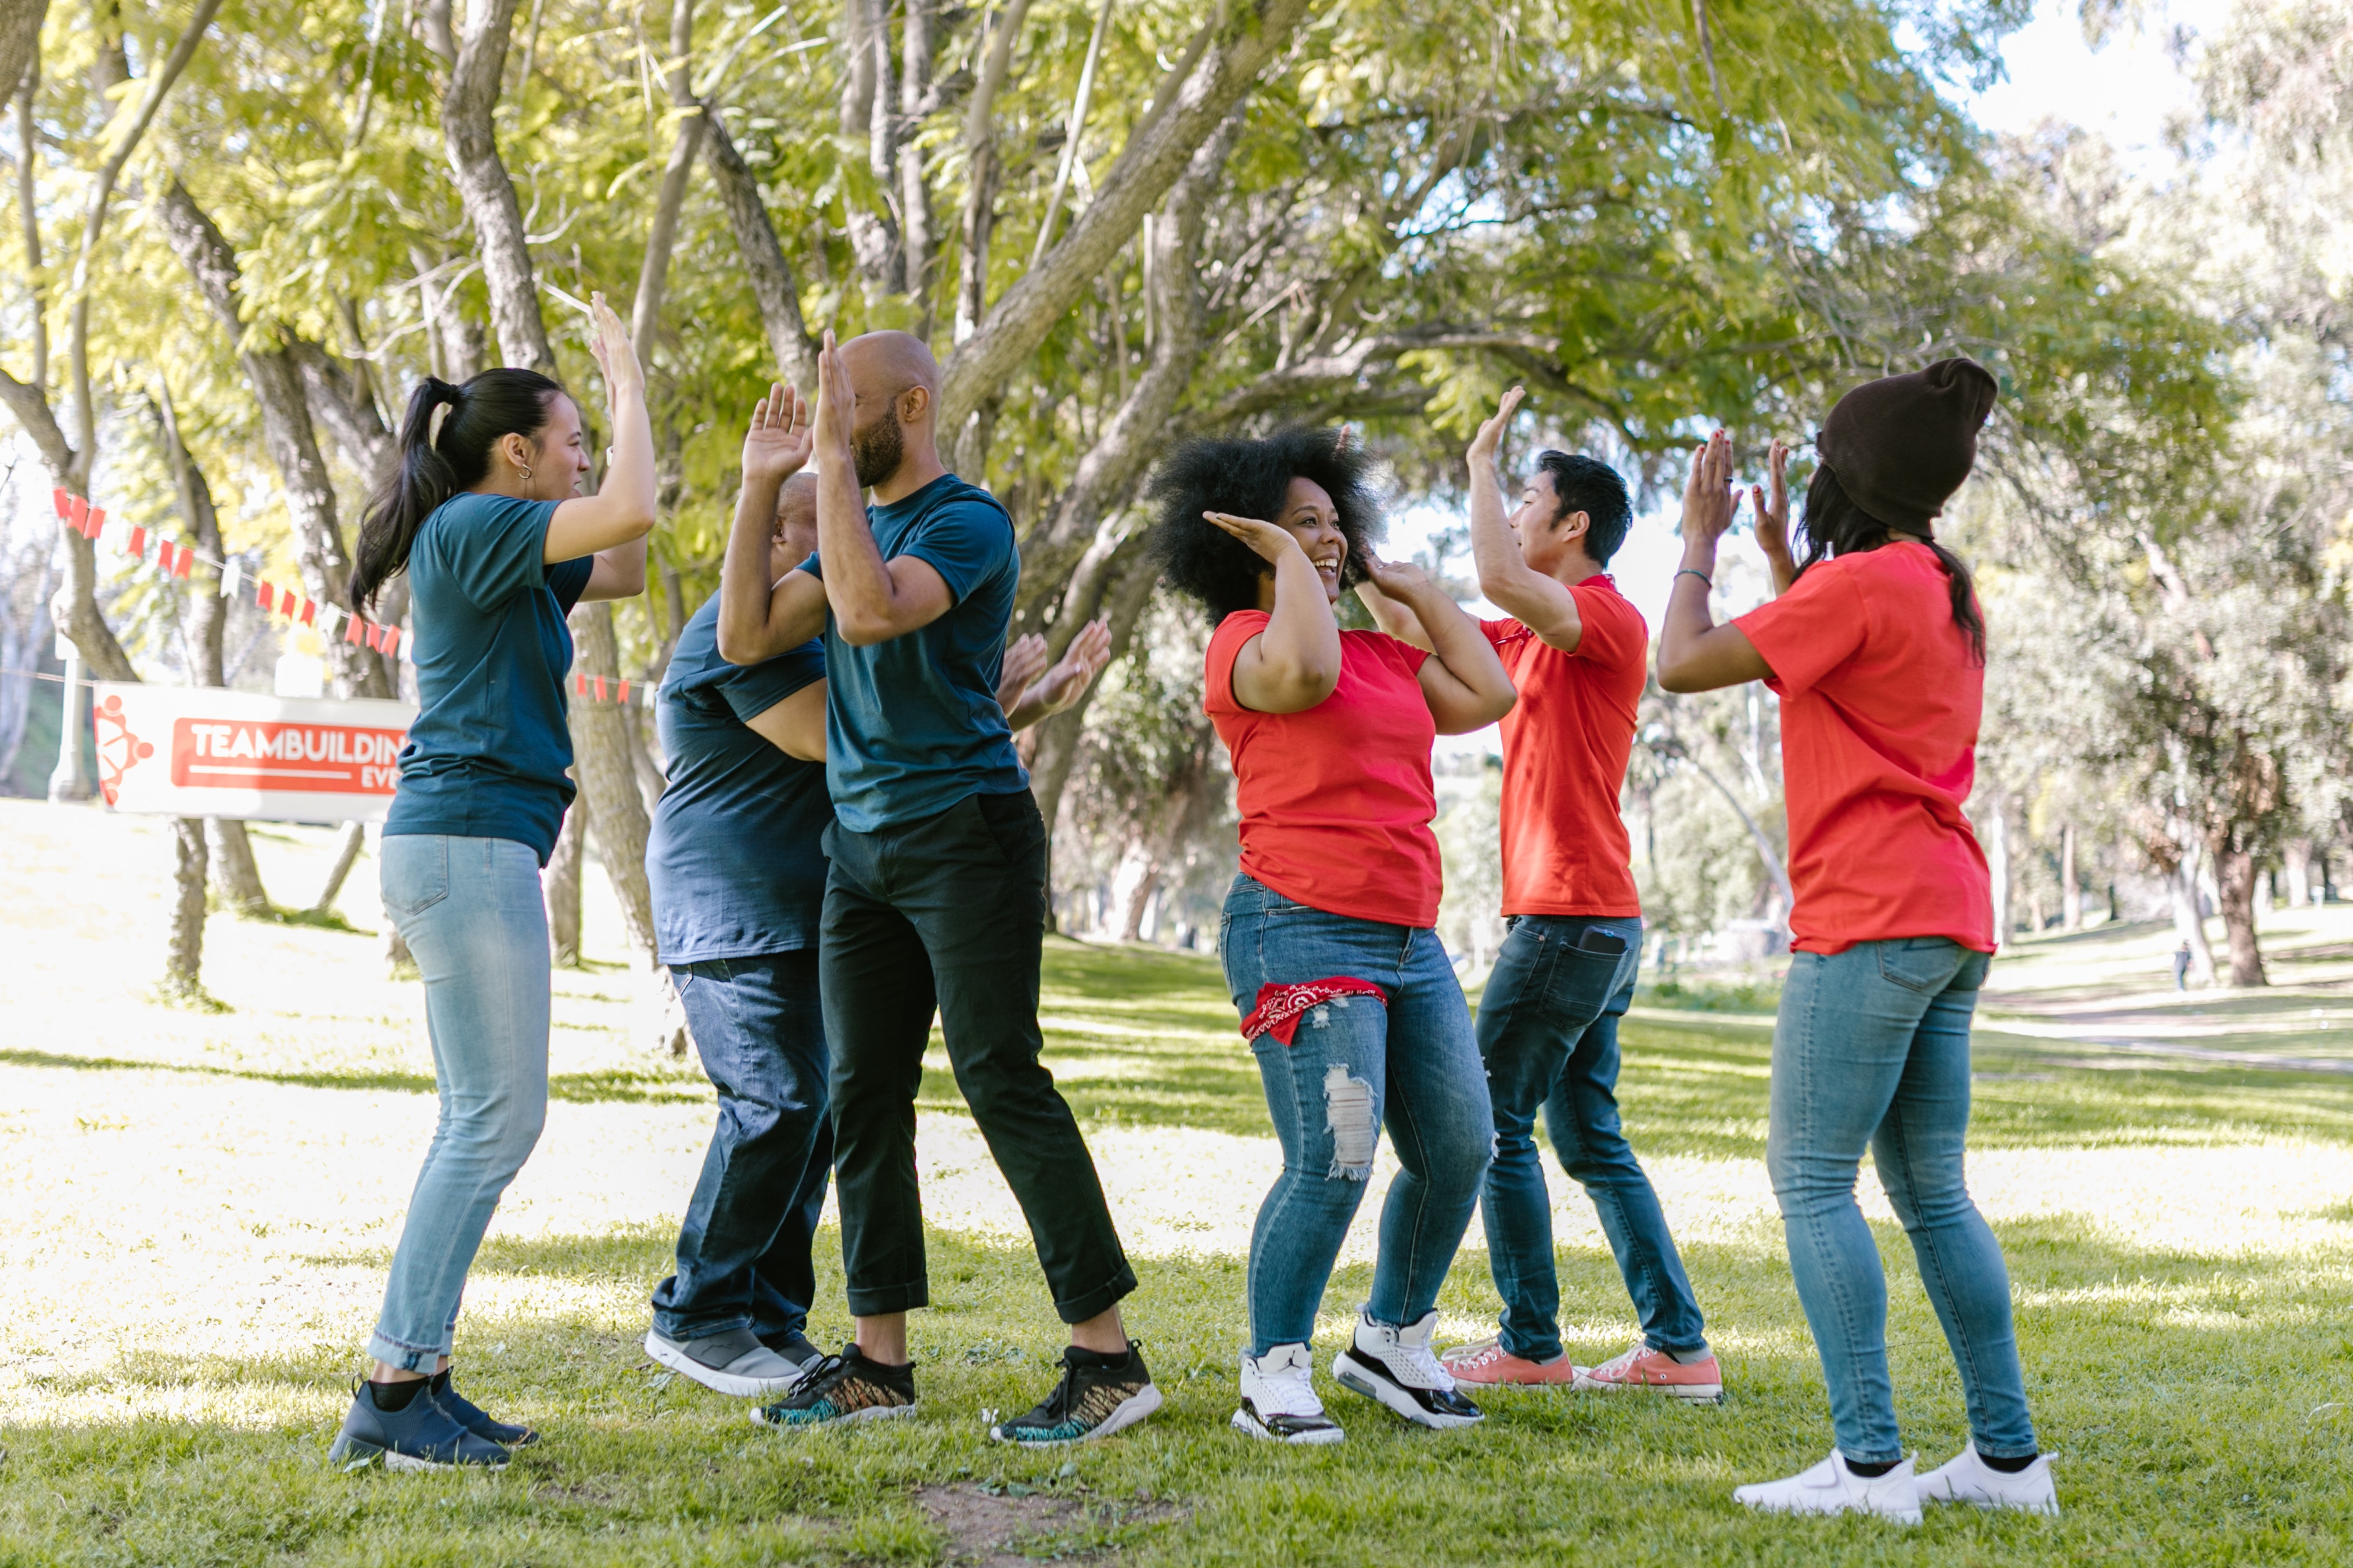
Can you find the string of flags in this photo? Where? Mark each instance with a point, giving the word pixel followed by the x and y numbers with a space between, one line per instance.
pixel 173 559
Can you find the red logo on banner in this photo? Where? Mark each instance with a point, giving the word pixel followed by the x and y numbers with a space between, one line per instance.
pixel 119 750
pixel 240 753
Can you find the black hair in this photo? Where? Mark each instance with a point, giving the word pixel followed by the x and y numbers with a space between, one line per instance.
pixel 494 403
pixel 1249 477
pixel 1834 525
pixel 1592 487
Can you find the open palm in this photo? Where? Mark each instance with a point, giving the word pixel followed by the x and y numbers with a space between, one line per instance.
pixel 777 444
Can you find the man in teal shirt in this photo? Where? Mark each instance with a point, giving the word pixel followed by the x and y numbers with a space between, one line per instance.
pixel 937 896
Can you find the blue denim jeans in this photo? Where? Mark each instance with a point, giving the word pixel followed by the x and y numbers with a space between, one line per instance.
pixel 470 910
pixel 1355 1066
pixel 744 1248
pixel 1549 1034
pixel 1872 1048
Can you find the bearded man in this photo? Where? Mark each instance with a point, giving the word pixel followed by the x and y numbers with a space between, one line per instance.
pixel 935 899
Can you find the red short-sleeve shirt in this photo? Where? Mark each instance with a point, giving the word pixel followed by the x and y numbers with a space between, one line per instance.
pixel 1880 703
pixel 1336 801
pixel 1564 748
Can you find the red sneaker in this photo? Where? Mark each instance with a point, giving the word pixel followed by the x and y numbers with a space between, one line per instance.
pixel 1489 1362
pixel 1642 1367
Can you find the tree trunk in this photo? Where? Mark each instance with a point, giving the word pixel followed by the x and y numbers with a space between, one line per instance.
pixel 2070 890
pixel 2181 885
pixel 2296 855
pixel 183 959
pixel 234 870
pixel 981 178
pixel 20 41
pixel 653 273
pixel 347 850
pixel 1132 928
pixel 562 886
pixel 774 287
pixel 489 196
pixel 2235 877
pixel 914 195
pixel 869 111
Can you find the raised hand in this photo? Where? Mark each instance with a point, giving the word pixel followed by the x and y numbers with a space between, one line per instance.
pixel 609 345
pixel 1025 660
pixel 1265 539
pixel 836 400
pixel 1401 580
pixel 1081 663
pixel 776 444
pixel 1773 513
pixel 1709 499
pixel 1491 434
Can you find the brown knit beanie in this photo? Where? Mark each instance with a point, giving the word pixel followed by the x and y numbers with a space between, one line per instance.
pixel 1901 445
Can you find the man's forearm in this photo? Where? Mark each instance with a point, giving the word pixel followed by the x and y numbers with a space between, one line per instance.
pixel 857 580
pixel 744 586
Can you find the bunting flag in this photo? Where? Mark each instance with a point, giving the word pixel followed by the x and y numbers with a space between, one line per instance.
pixel 172 559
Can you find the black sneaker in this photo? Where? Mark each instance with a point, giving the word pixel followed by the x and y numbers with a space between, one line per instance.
pixel 469 1415
pixel 1099 1394
pixel 1395 1367
pixel 844 1388
pixel 420 1437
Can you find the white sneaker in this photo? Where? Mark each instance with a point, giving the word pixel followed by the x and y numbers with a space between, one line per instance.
pixel 1967 1478
pixel 1278 1401
pixel 1395 1367
pixel 735 1364
pixel 1831 1487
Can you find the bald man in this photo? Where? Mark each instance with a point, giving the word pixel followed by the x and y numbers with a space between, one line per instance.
pixel 936 900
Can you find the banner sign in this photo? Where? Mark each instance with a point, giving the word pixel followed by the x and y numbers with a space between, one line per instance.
pixel 180 751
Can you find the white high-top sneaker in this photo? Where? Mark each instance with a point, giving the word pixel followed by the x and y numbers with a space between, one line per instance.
pixel 1394 1366
pixel 1967 1478
pixel 1278 1401
pixel 1831 1487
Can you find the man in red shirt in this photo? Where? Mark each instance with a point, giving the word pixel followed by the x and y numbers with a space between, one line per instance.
pixel 1548 1021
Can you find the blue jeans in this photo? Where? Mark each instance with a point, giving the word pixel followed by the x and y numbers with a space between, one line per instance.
pixel 1873 1048
pixel 469 910
pixel 1548 1033
pixel 744 1248
pixel 1353 1066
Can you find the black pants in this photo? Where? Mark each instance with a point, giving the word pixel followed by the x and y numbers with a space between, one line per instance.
pixel 948 913
pixel 743 1249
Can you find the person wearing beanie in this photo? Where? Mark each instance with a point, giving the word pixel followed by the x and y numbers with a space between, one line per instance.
pixel 1875 646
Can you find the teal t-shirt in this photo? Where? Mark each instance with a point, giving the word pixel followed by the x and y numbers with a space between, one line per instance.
pixel 486 758
pixel 911 725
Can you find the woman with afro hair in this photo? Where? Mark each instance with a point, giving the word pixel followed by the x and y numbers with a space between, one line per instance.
pixel 1348 999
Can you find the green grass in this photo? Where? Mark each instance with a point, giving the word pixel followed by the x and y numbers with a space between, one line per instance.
pixel 2199 1397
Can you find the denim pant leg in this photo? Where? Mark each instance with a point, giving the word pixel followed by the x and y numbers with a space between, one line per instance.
pixel 1918 1153
pixel 470 910
pixel 744 1247
pixel 1542 995
pixel 1581 1114
pixel 1844 1039
pixel 1442 1127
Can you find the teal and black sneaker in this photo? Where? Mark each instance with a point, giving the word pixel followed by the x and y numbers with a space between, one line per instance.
pixel 843 1388
pixel 1099 1394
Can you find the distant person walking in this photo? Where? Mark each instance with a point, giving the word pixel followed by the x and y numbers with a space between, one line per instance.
pixel 482 516
pixel 1346 997
pixel 2182 956
pixel 1548 1018
pixel 1877 648
pixel 935 896
pixel 737 864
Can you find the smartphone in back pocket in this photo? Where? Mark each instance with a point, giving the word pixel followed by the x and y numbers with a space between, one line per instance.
pixel 1593 939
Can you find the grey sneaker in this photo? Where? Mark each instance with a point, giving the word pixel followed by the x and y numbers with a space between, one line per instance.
pixel 735 1364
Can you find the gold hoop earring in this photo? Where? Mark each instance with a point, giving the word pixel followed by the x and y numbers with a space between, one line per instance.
pixel 525 472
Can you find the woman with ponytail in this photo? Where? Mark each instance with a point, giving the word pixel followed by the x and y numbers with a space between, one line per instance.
pixel 1877 651
pixel 485 517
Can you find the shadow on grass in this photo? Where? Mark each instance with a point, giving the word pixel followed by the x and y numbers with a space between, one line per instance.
pixel 576 1088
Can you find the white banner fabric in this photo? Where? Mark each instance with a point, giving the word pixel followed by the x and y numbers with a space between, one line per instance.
pixel 180 751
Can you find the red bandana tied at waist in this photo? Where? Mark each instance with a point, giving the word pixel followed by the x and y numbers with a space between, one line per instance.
pixel 1280 1007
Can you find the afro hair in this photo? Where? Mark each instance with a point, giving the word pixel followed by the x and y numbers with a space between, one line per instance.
pixel 1250 478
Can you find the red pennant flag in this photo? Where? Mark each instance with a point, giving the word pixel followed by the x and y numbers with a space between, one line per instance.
pixel 375 637
pixel 357 631
pixel 625 692
pixel 96 523
pixel 64 503
pixel 186 559
pixel 137 544
pixel 77 513
pixel 392 642
pixel 163 553
pixel 261 595
pixel 579 685
pixel 600 688
pixel 310 614
pixel 289 601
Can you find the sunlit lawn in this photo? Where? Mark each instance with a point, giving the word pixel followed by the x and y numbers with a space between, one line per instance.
pixel 200 1207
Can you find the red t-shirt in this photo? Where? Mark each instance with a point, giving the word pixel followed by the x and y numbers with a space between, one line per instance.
pixel 1880 703
pixel 1336 801
pixel 1564 748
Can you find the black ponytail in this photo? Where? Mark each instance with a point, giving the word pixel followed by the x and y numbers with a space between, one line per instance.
pixel 1834 525
pixel 494 403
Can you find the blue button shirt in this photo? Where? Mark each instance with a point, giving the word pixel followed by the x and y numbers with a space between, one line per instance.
pixel 486 754
pixel 736 857
pixel 911 725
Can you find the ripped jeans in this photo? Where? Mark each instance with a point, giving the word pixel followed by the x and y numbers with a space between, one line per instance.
pixel 1354 1064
